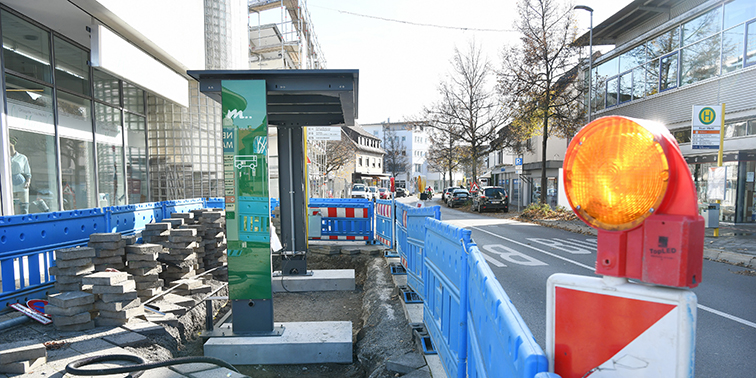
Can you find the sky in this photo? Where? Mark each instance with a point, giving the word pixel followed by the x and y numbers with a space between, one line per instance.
pixel 402 63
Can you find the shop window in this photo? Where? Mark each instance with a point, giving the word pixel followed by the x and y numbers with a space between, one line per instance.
pixel 700 61
pixel 732 49
pixel 33 172
pixel 133 98
pixel 77 166
pixel 136 158
pixel 668 72
pixel 26 48
pixel 702 26
pixel 109 151
pixel 682 135
pixel 737 129
pixel 71 68
pixel 30 105
pixel 106 88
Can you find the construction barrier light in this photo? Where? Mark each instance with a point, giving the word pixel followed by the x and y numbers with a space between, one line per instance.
pixel 628 179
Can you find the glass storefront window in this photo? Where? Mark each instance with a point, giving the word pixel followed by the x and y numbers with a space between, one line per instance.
pixel 30 105
pixel 78 178
pixel 26 48
pixel 133 98
pixel 700 61
pixel 106 88
pixel 608 69
pixel 702 26
pixel 33 172
pixel 136 154
pixel 71 68
pixel 110 168
pixel 749 203
pixel 668 72
pixel 74 116
pixel 732 49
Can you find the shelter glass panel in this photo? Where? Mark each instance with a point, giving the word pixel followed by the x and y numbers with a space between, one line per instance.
pixel 71 68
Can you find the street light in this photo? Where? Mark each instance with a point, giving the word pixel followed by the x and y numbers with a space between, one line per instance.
pixel 590 57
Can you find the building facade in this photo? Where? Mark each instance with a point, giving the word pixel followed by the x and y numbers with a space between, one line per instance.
pixel 674 56
pixel 367 165
pixel 97 109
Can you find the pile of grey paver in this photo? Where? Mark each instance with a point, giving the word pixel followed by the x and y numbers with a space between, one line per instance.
pixel 156 233
pixel 110 252
pixel 142 264
pixel 71 310
pixel 213 231
pixel 117 300
pixel 71 265
pixel 22 357
pixel 181 256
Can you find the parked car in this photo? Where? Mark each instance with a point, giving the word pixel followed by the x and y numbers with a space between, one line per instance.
pixel 458 197
pixel 373 191
pixel 359 191
pixel 491 198
pixel 384 193
pixel 400 192
pixel 447 192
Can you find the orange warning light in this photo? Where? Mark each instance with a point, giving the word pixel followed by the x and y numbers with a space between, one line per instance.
pixel 621 174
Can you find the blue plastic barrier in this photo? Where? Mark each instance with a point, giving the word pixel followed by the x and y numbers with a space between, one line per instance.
pixel 500 343
pixel 218 203
pixel 415 246
pixel 344 219
pixel 384 222
pixel 445 306
pixel 28 242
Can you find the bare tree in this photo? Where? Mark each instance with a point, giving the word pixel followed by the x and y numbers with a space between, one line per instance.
pixel 469 109
pixel 338 154
pixel 537 75
pixel 395 160
pixel 444 154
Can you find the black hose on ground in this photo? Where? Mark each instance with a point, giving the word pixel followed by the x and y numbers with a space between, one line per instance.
pixel 139 367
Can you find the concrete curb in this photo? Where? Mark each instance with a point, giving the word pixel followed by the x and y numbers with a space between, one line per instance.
pixel 734 258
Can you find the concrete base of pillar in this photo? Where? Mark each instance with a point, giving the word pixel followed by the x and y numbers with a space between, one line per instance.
pixel 320 280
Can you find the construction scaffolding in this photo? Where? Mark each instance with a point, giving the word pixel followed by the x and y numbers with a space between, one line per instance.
pixel 283 37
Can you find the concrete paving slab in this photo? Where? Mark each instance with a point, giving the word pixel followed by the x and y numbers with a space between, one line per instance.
pixel 414 312
pixel 406 363
pixel 162 372
pixel 124 339
pixel 23 367
pixel 217 373
pixel 435 365
pixel 301 343
pixel 92 345
pixel 22 351
pixel 320 280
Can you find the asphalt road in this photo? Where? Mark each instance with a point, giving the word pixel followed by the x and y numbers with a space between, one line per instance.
pixel 523 256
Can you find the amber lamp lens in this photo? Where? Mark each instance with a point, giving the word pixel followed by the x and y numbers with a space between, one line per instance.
pixel 615 173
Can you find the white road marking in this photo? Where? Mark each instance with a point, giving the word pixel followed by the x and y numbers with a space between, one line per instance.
pixel 493 260
pixel 562 246
pixel 702 307
pixel 513 256
pixel 554 255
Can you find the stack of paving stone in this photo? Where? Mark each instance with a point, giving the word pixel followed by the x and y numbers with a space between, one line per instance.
pixel 71 310
pixel 109 251
pixel 213 227
pixel 117 299
pixel 142 264
pixel 22 357
pixel 181 258
pixel 71 265
pixel 156 233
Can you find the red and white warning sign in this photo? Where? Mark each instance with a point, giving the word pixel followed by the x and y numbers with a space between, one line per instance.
pixel 609 327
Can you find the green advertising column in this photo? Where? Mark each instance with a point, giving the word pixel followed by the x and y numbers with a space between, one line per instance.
pixel 245 160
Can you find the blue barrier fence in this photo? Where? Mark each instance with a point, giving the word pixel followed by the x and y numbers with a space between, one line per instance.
pixel 344 219
pixel 28 242
pixel 472 323
pixel 384 222
pixel 414 263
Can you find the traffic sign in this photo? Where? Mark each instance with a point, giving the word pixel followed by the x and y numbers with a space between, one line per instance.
pixel 706 125
pixel 518 161
pixel 618 327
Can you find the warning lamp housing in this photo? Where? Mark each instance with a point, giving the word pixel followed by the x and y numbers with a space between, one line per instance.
pixel 628 179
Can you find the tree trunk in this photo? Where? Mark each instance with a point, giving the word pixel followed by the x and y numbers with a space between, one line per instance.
pixel 544 179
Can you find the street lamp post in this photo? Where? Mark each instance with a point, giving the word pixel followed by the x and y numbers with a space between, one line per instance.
pixel 590 57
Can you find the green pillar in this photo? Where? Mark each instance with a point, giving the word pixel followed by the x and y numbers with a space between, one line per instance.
pixel 245 161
